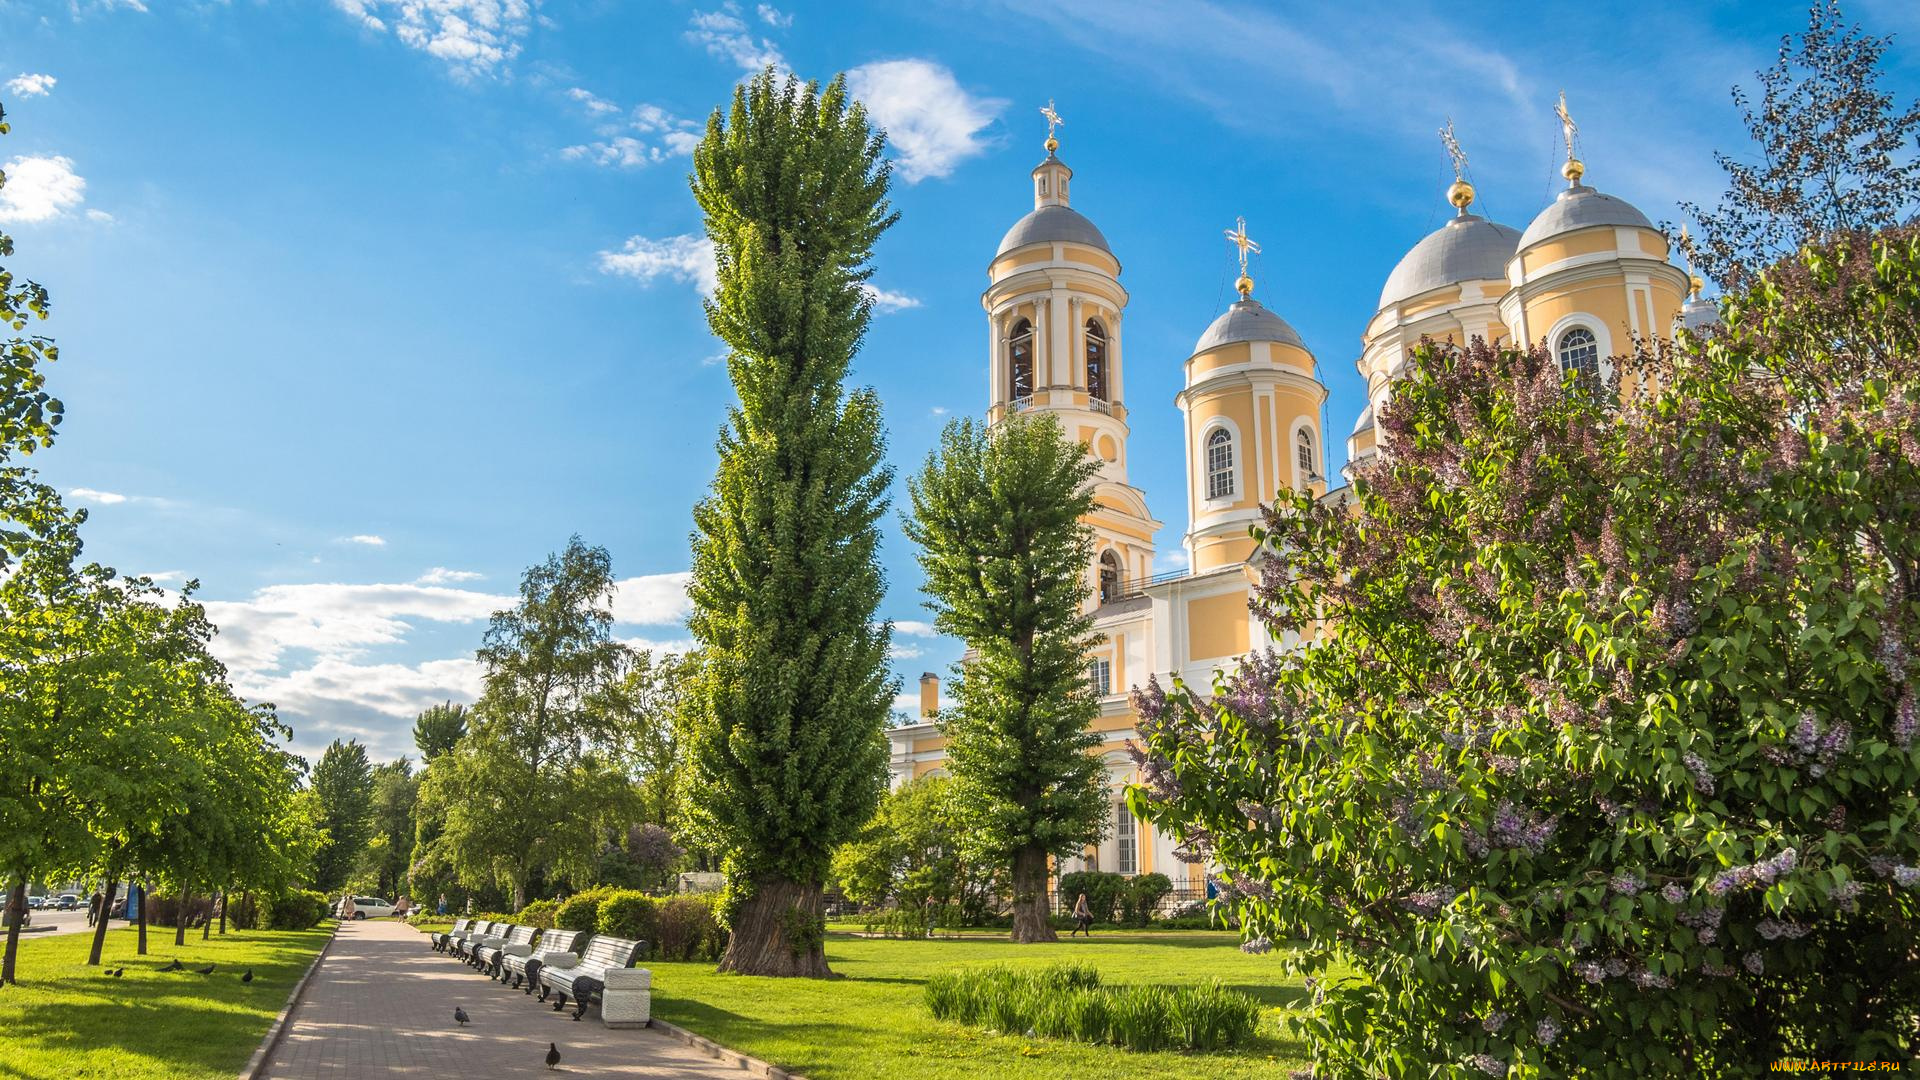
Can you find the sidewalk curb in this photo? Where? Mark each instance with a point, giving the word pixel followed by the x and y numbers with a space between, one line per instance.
pixel 257 1064
pixel 714 1050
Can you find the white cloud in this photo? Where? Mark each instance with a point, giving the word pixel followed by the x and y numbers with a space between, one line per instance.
pixel 726 35
pixel 40 188
pixel 931 122
pixel 653 599
pixel 165 577
pixel 474 37
pixel 1171 559
pixel 914 628
pixel 622 150
pixel 440 575
pixel 884 301
pixel 939 410
pixel 334 620
pixel 396 690
pixel 665 135
pixel 367 539
pixel 26 85
pixel 104 498
pixel 685 258
pixel 774 17
pixel 593 102
pixel 897 651
pixel 100 216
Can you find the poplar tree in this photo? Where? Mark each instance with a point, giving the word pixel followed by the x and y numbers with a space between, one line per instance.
pixel 787 750
pixel 998 517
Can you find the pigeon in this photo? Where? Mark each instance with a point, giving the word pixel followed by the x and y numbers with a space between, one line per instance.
pixel 117 972
pixel 208 970
pixel 553 1056
pixel 460 1016
pixel 248 977
pixel 175 966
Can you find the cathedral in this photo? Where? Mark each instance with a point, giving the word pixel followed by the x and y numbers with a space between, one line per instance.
pixel 1587 276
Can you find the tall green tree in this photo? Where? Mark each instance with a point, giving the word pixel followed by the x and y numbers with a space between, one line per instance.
pixel 344 783
pixel 997 514
pixel 787 745
pixel 396 790
pixel 1835 152
pixel 537 781
pixel 652 700
pixel 437 729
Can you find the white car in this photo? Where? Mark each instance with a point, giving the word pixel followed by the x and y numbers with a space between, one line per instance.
pixel 368 907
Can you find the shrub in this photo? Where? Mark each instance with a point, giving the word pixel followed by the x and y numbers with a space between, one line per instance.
pixel 1211 1017
pixel 1066 1001
pixel 689 928
pixel 1104 892
pixel 243 912
pixel 581 911
pixel 539 914
pixel 299 909
pixel 628 913
pixel 1143 894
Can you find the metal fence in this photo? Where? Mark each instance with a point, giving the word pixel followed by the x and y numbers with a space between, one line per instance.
pixel 1176 902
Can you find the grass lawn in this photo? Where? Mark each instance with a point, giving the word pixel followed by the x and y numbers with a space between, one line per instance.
pixel 66 1020
pixel 871 1022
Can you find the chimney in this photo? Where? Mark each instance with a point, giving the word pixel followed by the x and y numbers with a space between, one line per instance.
pixel 929 695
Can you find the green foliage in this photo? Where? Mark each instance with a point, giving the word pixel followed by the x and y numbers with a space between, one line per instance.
pixel 910 852
pixel 439 728
pixel 1104 892
pixel 1143 895
pixel 541 913
pixel 1607 763
pixel 629 914
pixel 295 909
pixel 343 781
pixel 395 793
pixel 581 911
pixel 997 515
pixel 689 928
pixel 28 414
pixel 1066 1001
pixel 652 701
pixel 786 719
pixel 537 781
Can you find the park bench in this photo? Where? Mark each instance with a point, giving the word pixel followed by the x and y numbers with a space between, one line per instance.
pixel 524 962
pixel 441 939
pixel 486 956
pixel 584 979
pixel 493 935
pixel 459 945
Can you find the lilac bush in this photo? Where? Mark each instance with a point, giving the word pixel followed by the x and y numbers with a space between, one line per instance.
pixel 1597 756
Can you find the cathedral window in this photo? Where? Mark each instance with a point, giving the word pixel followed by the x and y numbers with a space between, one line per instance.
pixel 1219 464
pixel 1020 360
pixel 1096 360
pixel 1126 839
pixel 1109 576
pixel 1579 351
pixel 1303 453
pixel 1100 675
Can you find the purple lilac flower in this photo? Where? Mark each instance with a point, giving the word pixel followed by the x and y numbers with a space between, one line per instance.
pixel 1754 963
pixel 1702 776
pixel 1546 1031
pixel 1429 901
pixel 1718 971
pixel 1806 736
pixel 1648 980
pixel 1494 1023
pixel 1736 878
pixel 1847 895
pixel 1505 764
pixel 1257 946
pixel 1906 877
pixel 1627 883
pixel 1707 934
pixel 1591 971
pixel 1488 1064
pixel 1672 893
pixel 1616 967
pixel 1892 654
pixel 1906 717
pixel 1838 740
pixel 1881 866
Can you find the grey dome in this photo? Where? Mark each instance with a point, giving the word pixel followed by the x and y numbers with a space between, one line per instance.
pixel 1698 315
pixel 1468 248
pixel 1051 223
pixel 1365 421
pixel 1247 320
pixel 1580 208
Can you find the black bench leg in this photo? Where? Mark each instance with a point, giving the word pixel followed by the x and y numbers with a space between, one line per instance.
pixel 582 1010
pixel 560 1001
pixel 544 990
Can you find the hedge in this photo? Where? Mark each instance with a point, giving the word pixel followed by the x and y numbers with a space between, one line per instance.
pixel 629 913
pixel 689 928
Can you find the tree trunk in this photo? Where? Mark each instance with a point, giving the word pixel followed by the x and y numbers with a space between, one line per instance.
pixel 15 909
pixel 100 926
pixel 206 924
pixel 779 930
pixel 223 912
pixel 1030 906
pixel 143 919
pixel 180 919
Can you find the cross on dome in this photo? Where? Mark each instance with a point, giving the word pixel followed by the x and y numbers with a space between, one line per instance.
pixel 1053 121
pixel 1237 236
pixel 1573 169
pixel 1459 193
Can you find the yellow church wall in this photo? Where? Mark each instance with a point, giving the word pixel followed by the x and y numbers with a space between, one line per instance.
pixel 1364 441
pixel 1444 298
pixel 1091 256
pixel 1234 404
pixel 1213 553
pixel 1604 300
pixel 1290 356
pixel 1590 241
pixel 1238 352
pixel 1217 626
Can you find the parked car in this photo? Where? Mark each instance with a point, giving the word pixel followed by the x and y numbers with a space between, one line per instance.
pixel 68 902
pixel 35 903
pixel 368 907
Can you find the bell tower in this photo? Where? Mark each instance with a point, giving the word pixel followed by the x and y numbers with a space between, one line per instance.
pixel 1055 307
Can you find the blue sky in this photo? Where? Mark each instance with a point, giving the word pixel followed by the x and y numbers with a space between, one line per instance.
pixel 364 305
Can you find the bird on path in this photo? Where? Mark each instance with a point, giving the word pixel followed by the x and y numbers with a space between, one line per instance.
pixel 208 970
pixel 117 972
pixel 248 977
pixel 460 1016
pixel 553 1056
pixel 175 966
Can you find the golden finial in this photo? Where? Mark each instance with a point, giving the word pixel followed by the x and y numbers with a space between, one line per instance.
pixel 1573 170
pixel 1053 121
pixel 1459 193
pixel 1237 236
pixel 1694 282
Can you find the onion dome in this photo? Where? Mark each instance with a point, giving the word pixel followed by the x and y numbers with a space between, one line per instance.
pixel 1050 223
pixel 1365 422
pixel 1581 207
pixel 1247 320
pixel 1467 248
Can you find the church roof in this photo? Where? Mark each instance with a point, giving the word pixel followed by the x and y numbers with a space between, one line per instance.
pixel 1698 314
pixel 1247 320
pixel 1579 208
pixel 1366 420
pixel 1051 223
pixel 1467 248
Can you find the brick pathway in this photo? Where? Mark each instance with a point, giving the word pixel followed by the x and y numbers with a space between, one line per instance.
pixel 381 1005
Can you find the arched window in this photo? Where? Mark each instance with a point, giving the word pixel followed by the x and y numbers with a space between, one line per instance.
pixel 1096 360
pixel 1109 576
pixel 1303 453
pixel 1219 464
pixel 1579 351
pixel 1020 360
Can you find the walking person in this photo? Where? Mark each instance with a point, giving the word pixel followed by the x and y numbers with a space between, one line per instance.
pixel 93 907
pixel 1082 917
pixel 442 909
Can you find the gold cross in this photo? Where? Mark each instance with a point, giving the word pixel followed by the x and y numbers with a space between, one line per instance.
pixel 1053 119
pixel 1567 126
pixel 1458 155
pixel 1237 236
pixel 1694 284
